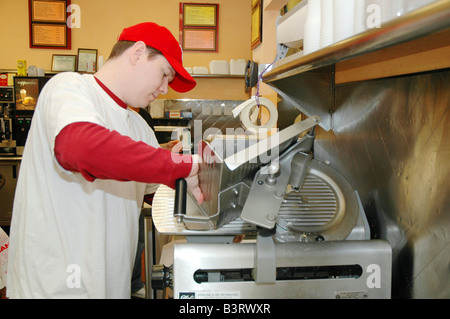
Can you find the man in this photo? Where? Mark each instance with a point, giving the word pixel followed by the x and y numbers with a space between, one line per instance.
pixel 87 164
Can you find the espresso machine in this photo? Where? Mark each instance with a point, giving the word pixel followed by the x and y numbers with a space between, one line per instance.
pixel 26 92
pixel 7 142
pixel 9 162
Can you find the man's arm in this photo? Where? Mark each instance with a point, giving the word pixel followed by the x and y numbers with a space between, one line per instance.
pixel 97 152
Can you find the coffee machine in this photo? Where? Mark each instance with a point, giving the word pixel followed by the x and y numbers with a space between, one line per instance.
pixel 7 141
pixel 26 92
pixel 9 162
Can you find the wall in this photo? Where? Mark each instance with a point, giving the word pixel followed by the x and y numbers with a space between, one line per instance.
pixel 103 20
pixel 266 52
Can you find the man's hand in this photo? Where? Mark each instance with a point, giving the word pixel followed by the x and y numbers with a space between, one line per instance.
pixel 173 146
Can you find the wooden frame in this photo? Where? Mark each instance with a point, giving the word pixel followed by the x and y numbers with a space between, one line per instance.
pixel 199 26
pixel 87 60
pixel 199 15
pixel 199 39
pixel 47 24
pixel 256 32
pixel 48 11
pixel 64 63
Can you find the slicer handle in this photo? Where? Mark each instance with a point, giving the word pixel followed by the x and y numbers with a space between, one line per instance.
pixel 179 208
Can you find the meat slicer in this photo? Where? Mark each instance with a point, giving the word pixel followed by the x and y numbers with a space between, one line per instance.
pixel 301 226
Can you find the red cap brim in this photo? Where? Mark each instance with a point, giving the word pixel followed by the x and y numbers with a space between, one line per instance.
pixel 183 81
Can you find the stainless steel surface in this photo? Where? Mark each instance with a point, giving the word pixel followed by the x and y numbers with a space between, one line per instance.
pixel 208 116
pixel 169 128
pixel 218 184
pixel 424 21
pixel 255 193
pixel 166 224
pixel 226 183
pixel 324 206
pixel 222 187
pixel 266 197
pixel 311 93
pixel 149 253
pixel 190 258
pixel 272 146
pixel 360 231
pixel 391 141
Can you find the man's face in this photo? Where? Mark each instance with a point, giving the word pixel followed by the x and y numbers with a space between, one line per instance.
pixel 152 78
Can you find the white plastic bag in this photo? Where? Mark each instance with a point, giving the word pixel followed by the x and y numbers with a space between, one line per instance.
pixel 4 244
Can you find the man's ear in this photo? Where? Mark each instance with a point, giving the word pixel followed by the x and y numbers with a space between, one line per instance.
pixel 139 50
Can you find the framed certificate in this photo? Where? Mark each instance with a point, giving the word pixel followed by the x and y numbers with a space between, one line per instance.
pixel 199 15
pixel 48 11
pixel 87 60
pixel 48 28
pixel 48 35
pixel 199 26
pixel 63 63
pixel 199 39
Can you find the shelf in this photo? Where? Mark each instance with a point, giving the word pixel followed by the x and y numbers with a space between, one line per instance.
pixel 212 76
pixel 217 76
pixel 425 21
pixel 420 40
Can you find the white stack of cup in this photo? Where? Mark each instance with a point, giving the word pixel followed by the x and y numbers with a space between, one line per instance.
pixel 311 39
pixel 411 5
pixel 326 23
pixel 331 21
pixel 344 19
pixel 360 22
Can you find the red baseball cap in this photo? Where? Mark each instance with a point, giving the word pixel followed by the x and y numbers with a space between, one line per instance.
pixel 160 38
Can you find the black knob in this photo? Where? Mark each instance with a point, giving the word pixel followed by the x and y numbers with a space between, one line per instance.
pixel 320 238
pixel 161 277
